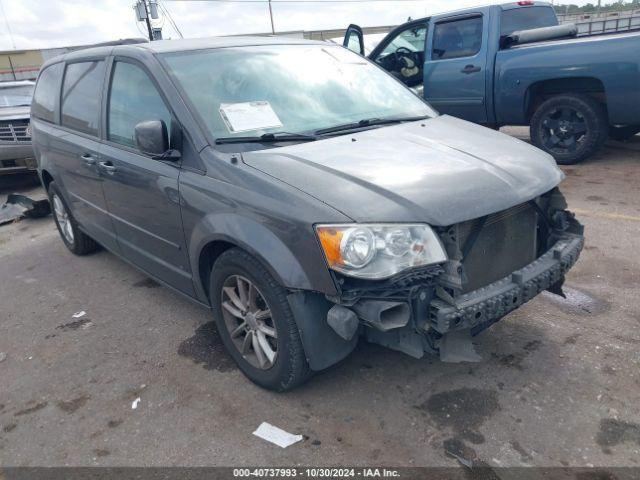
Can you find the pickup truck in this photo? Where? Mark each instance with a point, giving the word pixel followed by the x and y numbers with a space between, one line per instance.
pixel 512 64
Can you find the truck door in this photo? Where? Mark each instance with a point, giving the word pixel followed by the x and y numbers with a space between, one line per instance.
pixel 455 73
pixel 354 39
pixel 402 53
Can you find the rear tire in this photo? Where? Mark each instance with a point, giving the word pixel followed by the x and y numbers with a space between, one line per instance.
pixel 289 367
pixel 75 240
pixel 571 127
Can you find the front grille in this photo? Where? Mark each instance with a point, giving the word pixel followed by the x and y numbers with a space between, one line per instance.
pixel 15 131
pixel 506 242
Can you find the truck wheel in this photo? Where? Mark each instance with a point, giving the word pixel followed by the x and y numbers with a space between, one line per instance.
pixel 623 133
pixel 255 322
pixel 76 241
pixel 570 127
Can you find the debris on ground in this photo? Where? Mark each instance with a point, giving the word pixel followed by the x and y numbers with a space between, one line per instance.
pixel 18 206
pixel 135 403
pixel 3 356
pixel 276 435
pixel 79 314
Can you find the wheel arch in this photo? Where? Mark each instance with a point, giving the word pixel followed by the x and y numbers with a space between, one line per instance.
pixel 46 178
pixel 217 233
pixel 540 91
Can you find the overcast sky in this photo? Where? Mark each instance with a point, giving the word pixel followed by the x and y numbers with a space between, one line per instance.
pixel 57 23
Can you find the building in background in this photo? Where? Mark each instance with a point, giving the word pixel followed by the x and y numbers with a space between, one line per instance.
pixel 24 64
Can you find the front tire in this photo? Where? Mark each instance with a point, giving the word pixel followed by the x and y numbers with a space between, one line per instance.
pixel 255 322
pixel 75 240
pixel 570 127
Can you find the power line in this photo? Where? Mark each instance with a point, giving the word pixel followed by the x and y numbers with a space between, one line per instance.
pixel 170 18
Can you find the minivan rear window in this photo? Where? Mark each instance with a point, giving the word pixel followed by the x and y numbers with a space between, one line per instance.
pixel 44 98
pixel 526 18
pixel 81 96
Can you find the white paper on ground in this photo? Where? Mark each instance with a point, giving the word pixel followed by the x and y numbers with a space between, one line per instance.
pixel 242 117
pixel 79 314
pixel 276 435
pixel 135 403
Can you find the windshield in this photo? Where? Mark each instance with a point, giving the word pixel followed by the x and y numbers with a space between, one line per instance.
pixel 287 88
pixel 16 96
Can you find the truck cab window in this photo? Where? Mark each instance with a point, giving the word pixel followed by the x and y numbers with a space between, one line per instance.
pixel 457 38
pixel 403 57
pixel 516 19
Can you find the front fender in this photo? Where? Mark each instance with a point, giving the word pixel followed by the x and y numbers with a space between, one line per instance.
pixel 289 252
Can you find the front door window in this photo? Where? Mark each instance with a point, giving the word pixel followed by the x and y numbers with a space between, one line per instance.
pixel 403 56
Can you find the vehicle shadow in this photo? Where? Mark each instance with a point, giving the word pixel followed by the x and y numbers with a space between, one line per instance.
pixel 513 348
pixel 18 183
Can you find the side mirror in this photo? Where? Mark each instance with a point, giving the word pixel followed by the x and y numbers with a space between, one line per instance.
pixel 152 138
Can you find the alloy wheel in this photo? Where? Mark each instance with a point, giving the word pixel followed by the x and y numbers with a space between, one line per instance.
pixel 63 219
pixel 563 130
pixel 248 320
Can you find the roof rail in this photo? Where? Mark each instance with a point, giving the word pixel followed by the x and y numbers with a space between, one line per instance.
pixel 111 43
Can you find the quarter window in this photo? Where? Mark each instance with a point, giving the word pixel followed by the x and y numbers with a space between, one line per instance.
pixel 81 96
pixel 458 38
pixel 133 99
pixel 47 89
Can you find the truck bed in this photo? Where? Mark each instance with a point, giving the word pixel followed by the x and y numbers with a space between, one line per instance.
pixel 611 59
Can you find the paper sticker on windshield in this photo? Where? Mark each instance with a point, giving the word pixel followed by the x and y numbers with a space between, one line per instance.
pixel 242 117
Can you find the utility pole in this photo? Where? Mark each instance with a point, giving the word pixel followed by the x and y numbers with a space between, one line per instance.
pixel 146 17
pixel 273 30
pixel 145 11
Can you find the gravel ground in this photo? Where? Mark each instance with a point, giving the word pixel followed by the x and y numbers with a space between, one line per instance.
pixel 559 383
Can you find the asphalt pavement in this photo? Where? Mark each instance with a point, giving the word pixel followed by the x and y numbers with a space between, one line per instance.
pixel 559 383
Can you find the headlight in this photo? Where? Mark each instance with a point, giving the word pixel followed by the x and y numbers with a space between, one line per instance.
pixel 379 250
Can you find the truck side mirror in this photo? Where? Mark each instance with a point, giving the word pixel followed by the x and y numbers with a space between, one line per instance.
pixel 354 39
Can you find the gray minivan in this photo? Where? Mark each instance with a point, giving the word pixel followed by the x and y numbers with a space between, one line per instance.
pixel 301 193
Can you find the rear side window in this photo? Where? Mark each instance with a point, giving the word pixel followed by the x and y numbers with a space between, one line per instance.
pixel 81 96
pixel 133 99
pixel 457 38
pixel 526 18
pixel 47 90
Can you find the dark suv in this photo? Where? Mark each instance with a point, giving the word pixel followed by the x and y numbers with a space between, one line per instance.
pixel 302 193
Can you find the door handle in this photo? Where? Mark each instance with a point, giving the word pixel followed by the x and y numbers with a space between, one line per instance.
pixel 470 69
pixel 107 166
pixel 88 158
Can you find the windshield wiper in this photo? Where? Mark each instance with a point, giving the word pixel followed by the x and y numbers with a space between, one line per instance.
pixel 368 122
pixel 269 138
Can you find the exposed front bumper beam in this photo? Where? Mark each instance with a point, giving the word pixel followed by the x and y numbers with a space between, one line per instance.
pixel 482 307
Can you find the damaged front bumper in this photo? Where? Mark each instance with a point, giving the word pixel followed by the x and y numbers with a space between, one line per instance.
pixel 482 307
pixel 330 330
pixel 419 311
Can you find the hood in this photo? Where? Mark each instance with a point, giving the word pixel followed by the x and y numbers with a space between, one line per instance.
pixel 441 171
pixel 15 113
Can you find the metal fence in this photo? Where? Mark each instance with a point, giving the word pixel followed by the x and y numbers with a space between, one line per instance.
pixel 608 25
